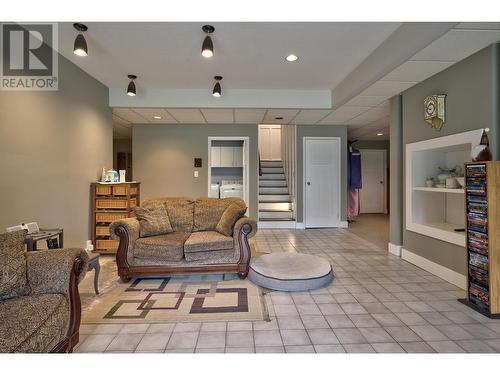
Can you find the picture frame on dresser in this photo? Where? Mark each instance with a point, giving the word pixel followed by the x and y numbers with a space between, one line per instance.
pixel 482 214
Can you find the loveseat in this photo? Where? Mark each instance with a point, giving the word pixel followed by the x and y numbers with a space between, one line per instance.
pixel 195 243
pixel 40 306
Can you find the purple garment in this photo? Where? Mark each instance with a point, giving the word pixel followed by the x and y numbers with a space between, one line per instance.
pixel 354 169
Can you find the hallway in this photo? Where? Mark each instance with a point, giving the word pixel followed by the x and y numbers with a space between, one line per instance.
pixel 373 228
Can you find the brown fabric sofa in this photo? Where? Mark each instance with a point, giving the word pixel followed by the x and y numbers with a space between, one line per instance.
pixel 193 246
pixel 40 306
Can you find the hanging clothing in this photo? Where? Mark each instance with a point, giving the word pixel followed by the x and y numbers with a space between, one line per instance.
pixel 353 204
pixel 354 183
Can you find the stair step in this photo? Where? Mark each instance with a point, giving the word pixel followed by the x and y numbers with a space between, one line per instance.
pixel 275 219
pixel 275 215
pixel 274 170
pixel 272 183
pixel 271 163
pixel 276 206
pixel 273 190
pixel 272 176
pixel 274 198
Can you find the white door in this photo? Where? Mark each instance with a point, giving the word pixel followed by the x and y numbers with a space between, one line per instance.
pixel 270 142
pixel 237 156
pixel 372 194
pixel 322 182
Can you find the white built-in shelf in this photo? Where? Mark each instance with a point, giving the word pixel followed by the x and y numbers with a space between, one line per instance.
pixel 439 190
pixel 437 215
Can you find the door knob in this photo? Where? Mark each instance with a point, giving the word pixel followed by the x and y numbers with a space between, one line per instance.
pixel 308 183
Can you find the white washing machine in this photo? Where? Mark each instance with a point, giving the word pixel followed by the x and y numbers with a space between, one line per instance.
pixel 214 191
pixel 232 190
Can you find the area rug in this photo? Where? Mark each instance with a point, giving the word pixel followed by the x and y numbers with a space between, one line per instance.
pixel 196 298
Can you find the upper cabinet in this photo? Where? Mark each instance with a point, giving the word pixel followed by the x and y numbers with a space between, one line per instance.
pixel 225 156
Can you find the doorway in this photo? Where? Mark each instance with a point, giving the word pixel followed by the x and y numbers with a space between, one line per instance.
pixel 270 142
pixel 372 196
pixel 321 182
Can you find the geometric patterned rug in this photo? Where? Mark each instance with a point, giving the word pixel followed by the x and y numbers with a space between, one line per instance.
pixel 194 298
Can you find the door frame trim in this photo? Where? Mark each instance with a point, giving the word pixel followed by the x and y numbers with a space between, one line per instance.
pixel 304 177
pixel 384 151
pixel 246 164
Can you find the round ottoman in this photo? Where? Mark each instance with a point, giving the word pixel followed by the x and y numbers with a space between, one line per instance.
pixel 291 272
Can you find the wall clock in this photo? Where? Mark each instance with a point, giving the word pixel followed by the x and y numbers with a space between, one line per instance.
pixel 434 110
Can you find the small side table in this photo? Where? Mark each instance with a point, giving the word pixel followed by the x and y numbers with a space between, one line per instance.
pixel 44 234
pixel 94 265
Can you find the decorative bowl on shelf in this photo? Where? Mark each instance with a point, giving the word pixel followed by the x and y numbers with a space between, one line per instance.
pixel 461 181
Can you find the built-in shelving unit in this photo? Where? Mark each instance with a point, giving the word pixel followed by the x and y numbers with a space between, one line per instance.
pixel 431 211
pixel 482 181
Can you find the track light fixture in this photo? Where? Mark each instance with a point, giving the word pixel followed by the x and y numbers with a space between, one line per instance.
pixel 80 46
pixel 131 90
pixel 217 92
pixel 207 48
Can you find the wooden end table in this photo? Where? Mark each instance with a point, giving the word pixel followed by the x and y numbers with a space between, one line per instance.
pixel 44 234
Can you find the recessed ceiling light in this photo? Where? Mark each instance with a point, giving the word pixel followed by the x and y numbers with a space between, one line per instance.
pixel 156 117
pixel 278 118
pixel 379 134
pixel 291 58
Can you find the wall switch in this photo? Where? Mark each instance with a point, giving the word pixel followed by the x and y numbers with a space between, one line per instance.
pixel 195 173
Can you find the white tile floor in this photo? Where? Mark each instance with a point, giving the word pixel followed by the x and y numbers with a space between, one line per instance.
pixel 377 303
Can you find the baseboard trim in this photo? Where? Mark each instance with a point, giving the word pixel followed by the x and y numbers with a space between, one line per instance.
pixel 395 249
pixel 300 225
pixel 451 276
pixel 277 224
pixel 343 224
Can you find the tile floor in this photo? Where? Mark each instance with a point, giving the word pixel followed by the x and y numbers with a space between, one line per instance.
pixel 377 303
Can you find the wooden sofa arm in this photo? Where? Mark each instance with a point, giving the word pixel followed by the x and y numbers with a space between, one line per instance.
pixel 127 232
pixel 244 229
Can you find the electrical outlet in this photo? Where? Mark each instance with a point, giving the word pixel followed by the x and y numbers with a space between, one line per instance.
pixel 195 173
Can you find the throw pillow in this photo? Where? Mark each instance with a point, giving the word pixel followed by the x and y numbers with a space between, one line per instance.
pixel 153 220
pixel 229 218
pixel 13 278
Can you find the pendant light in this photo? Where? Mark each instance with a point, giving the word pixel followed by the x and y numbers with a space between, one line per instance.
pixel 80 46
pixel 217 92
pixel 131 90
pixel 207 48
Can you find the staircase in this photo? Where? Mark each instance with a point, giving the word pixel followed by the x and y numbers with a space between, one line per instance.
pixel 274 201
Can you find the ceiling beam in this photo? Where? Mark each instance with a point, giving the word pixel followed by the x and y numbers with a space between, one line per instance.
pixel 400 46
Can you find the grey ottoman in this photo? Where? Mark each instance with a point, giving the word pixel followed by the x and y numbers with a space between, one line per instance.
pixel 291 272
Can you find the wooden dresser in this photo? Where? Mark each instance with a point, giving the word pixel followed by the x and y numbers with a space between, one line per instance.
pixel 110 202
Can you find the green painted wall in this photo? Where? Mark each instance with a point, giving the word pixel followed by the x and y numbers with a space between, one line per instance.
pixel 163 158
pixel 53 144
pixel 469 105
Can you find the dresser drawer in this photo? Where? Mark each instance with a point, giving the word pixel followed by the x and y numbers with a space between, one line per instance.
pixel 109 217
pixel 102 231
pixel 111 204
pixel 120 190
pixel 107 244
pixel 103 190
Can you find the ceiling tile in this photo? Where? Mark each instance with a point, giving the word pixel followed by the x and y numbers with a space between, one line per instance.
pixel 416 71
pixel 187 115
pixel 249 116
pixel 218 115
pixel 387 88
pixel 343 114
pixel 130 115
pixel 374 114
pixel 310 116
pixel 287 114
pixel 117 119
pixel 456 45
pixel 365 101
pixel 148 113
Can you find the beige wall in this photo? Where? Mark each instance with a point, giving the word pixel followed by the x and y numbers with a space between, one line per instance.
pixel 52 146
pixel 163 157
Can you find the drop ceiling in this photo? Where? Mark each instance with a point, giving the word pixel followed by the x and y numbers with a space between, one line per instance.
pixel 258 83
